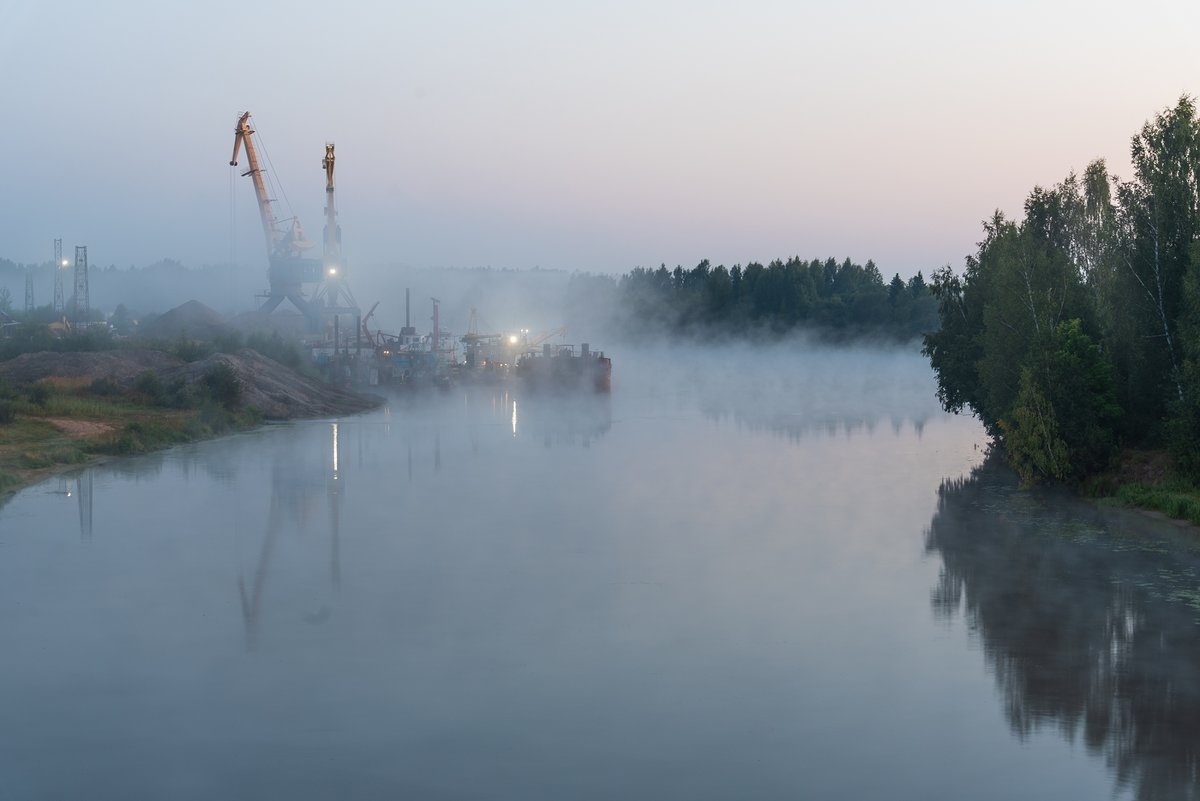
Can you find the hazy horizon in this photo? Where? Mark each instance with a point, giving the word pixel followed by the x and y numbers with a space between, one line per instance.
pixel 569 137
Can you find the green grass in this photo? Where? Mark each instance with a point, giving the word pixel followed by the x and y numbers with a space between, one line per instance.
pixel 9 481
pixel 30 445
pixel 1174 498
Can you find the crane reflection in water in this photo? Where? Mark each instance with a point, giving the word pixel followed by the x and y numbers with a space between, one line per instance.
pixel 298 484
pixel 295 486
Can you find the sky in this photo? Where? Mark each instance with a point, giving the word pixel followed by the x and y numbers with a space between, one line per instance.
pixel 567 135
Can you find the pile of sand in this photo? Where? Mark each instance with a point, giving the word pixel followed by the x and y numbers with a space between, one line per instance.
pixel 279 392
pixel 192 320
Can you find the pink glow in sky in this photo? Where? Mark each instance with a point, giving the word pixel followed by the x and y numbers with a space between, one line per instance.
pixel 569 135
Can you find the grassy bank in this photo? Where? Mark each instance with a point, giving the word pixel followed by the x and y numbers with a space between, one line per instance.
pixel 1148 479
pixel 1178 499
pixel 55 423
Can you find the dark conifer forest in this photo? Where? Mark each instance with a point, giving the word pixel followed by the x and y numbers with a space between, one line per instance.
pixel 829 299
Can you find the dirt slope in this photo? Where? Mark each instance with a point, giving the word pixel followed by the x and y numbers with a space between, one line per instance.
pixel 121 366
pixel 275 390
pixel 279 392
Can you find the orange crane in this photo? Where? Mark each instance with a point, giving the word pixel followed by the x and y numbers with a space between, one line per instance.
pixel 288 270
pixel 280 243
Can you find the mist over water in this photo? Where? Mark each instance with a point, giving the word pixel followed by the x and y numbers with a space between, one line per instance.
pixel 749 572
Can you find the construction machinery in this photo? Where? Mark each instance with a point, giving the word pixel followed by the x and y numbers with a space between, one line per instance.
pixel 288 268
pixel 366 332
pixel 538 339
pixel 333 296
pixel 478 347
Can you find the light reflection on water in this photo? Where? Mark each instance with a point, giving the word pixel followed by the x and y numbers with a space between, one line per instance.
pixel 708 585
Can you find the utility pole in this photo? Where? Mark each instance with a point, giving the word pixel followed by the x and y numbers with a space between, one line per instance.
pixel 60 264
pixel 83 305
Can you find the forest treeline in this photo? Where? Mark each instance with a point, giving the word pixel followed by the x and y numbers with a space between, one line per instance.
pixel 830 298
pixel 1076 329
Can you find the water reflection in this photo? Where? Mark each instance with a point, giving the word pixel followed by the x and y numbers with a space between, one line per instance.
pixel 578 421
pixel 795 425
pixel 551 419
pixel 83 494
pixel 1087 620
pixel 794 390
pixel 335 512
pixel 296 483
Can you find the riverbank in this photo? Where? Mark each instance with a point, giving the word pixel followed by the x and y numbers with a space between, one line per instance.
pixel 1146 479
pixel 64 410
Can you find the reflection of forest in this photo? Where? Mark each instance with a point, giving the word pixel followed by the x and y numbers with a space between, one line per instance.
pixel 1089 627
pixel 795 426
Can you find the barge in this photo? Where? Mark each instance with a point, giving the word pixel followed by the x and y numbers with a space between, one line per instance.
pixel 559 367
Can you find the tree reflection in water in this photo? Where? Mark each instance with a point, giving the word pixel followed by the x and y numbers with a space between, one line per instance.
pixel 1087 617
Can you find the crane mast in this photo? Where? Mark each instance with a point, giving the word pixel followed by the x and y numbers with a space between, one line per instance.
pixel 333 297
pixel 333 243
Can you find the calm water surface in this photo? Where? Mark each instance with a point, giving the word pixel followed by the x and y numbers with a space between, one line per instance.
pixel 770 575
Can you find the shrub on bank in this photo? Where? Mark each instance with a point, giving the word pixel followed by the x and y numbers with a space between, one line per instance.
pixel 222 384
pixel 188 349
pixel 279 349
pixel 104 387
pixel 38 394
pixel 149 384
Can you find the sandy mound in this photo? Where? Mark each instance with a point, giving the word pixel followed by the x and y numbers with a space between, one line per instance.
pixel 275 390
pixel 192 320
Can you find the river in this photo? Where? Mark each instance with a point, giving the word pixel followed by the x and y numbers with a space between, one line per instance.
pixel 764 574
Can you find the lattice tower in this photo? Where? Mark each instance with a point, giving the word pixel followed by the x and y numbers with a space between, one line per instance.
pixel 83 306
pixel 59 266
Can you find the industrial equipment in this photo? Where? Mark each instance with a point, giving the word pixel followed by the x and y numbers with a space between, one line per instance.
pixel 366 332
pixel 333 296
pixel 288 269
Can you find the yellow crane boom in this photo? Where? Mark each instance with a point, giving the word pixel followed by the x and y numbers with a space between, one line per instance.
pixel 279 244
pixel 241 136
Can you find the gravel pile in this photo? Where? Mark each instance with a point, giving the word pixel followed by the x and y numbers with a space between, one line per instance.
pixel 279 392
pixel 192 320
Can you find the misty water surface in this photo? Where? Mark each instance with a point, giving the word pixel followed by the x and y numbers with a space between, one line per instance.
pixel 768 574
